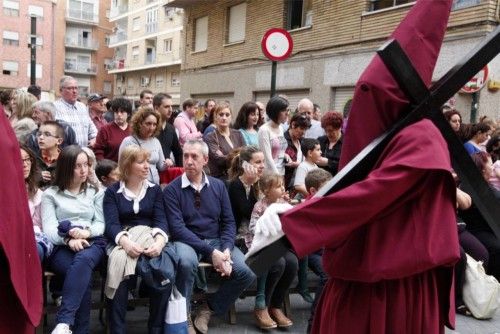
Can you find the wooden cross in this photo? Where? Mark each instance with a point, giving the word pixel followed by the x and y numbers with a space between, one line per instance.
pixel 424 103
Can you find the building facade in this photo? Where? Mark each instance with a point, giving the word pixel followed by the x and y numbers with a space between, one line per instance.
pixel 15 53
pixel 146 43
pixel 333 42
pixel 82 40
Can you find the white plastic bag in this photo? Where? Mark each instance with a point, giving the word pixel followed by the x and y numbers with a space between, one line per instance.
pixel 481 292
pixel 176 316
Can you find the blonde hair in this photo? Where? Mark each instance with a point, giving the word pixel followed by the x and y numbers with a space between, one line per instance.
pixel 128 156
pixel 268 180
pixel 25 103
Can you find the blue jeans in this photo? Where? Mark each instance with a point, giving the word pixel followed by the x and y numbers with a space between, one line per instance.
pixel 76 293
pixel 230 288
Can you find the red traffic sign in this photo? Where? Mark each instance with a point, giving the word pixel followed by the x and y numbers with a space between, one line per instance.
pixel 277 44
pixel 477 82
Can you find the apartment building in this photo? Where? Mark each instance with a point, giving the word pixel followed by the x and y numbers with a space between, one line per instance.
pixel 81 42
pixel 15 54
pixel 147 43
pixel 333 43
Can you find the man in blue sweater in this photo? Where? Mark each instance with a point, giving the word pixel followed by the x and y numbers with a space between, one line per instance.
pixel 202 226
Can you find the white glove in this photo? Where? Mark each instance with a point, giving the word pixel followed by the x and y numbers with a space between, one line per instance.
pixel 269 223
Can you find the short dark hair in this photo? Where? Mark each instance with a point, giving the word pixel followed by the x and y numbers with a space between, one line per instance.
pixel 300 121
pixel 5 96
pixel 308 144
pixel 145 91
pixel 121 103
pixel 480 127
pixel 316 178
pixel 104 167
pixel 242 119
pixel 58 126
pixel 65 168
pixel 158 98
pixel 276 105
pixel 35 90
pixel 189 103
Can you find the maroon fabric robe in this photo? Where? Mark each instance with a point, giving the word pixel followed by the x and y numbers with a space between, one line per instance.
pixel 390 240
pixel 21 277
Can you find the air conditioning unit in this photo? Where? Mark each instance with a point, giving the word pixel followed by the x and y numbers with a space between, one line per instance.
pixel 144 81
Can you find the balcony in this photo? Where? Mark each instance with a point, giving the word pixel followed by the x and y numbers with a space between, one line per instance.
pixel 117 37
pixel 117 64
pixel 80 68
pixel 150 59
pixel 81 43
pixel 80 16
pixel 117 11
pixel 151 27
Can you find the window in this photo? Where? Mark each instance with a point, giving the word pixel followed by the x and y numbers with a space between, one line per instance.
pixel 169 12
pixel 107 39
pixel 200 34
pixel 38 71
pixel 381 4
pixel 136 24
pixel 130 83
pixel 39 40
pixel 107 87
pixel 10 38
pixel 159 80
pixel 135 53
pixel 299 14
pixel 175 80
pixel 167 45
pixel 35 11
pixel 237 16
pixel 10 68
pixel 151 21
pixel 108 63
pixel 460 4
pixel 10 8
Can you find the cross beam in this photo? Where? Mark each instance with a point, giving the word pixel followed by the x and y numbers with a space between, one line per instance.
pixel 424 104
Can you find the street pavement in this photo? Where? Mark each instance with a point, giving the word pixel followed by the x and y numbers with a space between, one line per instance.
pixel 137 321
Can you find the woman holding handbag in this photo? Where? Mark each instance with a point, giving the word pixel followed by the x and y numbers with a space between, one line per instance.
pixel 137 227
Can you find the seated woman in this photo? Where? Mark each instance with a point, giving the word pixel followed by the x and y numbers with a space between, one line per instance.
pixel 135 202
pixel 73 221
pixel 222 141
pixel 43 246
pixel 476 223
pixel 247 167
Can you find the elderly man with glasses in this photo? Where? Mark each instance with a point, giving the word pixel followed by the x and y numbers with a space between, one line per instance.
pixel 75 113
pixel 203 227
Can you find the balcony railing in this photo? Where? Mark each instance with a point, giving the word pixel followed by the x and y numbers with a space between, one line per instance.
pixel 117 64
pixel 118 37
pixel 81 68
pixel 80 15
pixel 151 27
pixel 83 43
pixel 150 59
pixel 119 10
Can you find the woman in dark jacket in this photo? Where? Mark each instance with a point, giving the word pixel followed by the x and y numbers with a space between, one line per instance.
pixel 331 143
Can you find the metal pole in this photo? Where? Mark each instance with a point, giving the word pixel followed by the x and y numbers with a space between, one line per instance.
pixel 473 107
pixel 273 78
pixel 33 51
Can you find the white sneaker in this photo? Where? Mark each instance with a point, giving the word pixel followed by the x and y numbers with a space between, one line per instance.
pixel 61 329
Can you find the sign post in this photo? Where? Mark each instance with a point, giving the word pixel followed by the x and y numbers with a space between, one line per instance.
pixel 277 45
pixel 473 86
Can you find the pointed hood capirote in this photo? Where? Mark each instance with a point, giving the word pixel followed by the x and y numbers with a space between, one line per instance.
pixel 378 100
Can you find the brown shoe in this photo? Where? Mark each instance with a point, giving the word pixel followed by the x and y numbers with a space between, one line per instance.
pixel 203 318
pixel 263 319
pixel 280 318
pixel 191 329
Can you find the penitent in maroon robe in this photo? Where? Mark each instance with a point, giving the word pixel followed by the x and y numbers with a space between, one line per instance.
pixel 20 270
pixel 390 240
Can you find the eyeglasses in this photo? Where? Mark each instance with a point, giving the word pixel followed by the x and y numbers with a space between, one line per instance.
pixel 27 161
pixel 45 134
pixel 197 199
pixel 71 88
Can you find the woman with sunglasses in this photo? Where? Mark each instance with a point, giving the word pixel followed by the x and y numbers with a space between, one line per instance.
pixel 130 203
